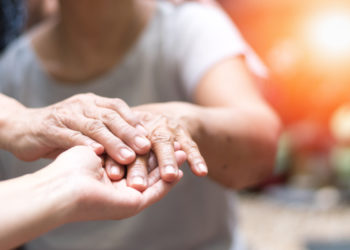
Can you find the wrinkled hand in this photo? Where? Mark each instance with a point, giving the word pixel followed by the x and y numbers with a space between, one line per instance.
pixel 93 196
pixel 102 123
pixel 163 132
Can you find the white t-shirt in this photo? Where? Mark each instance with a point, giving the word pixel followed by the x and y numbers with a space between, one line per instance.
pixel 178 46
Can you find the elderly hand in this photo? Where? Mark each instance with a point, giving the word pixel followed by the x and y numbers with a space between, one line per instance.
pixel 166 129
pixel 106 125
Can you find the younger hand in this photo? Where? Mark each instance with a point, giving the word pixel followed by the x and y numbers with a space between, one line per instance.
pixel 93 196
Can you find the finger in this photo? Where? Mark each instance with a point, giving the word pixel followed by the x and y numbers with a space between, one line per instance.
pixel 119 106
pixel 163 147
pixel 157 191
pixel 80 155
pixel 181 157
pixel 177 146
pixel 69 138
pixel 127 133
pixel 137 173
pixel 114 170
pixel 194 157
pixel 97 131
pixel 152 162
pixel 154 175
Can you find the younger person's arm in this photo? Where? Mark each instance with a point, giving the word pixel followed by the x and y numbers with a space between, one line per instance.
pixel 75 187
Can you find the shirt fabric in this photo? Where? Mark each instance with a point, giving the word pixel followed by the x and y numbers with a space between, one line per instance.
pixel 177 47
pixel 12 18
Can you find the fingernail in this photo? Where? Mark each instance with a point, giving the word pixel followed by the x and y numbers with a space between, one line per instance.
pixel 202 168
pixel 138 180
pixel 115 171
pixel 169 170
pixel 126 153
pixel 141 142
pixel 141 129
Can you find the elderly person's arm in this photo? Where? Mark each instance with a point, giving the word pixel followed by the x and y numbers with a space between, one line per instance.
pixel 235 130
pixel 75 187
pixel 105 124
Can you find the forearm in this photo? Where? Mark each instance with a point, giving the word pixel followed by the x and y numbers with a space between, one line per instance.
pixel 239 145
pixel 32 205
pixel 10 109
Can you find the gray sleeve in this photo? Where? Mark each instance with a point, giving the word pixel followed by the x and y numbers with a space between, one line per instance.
pixel 206 37
pixel 2 172
pixel 3 69
pixel 11 62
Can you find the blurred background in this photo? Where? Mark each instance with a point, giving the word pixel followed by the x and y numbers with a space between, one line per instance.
pixel 306 48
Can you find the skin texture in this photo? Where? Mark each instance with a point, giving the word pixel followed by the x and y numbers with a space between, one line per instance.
pixel 229 128
pixel 107 125
pixel 75 187
pixel 234 134
pixel 104 124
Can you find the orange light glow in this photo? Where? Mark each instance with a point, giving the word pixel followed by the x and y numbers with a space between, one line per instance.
pixel 329 33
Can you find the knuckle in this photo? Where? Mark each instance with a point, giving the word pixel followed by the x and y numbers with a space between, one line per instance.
pixel 191 144
pixel 148 116
pixel 88 94
pixel 95 126
pixel 110 117
pixel 119 103
pixel 129 116
pixel 161 135
pixel 82 98
pixel 173 124
pixel 58 114
pixel 76 99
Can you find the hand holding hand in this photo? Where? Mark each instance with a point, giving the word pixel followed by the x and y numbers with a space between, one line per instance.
pixel 138 174
pixel 94 196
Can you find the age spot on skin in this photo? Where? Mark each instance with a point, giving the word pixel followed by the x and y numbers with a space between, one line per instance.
pixel 224 167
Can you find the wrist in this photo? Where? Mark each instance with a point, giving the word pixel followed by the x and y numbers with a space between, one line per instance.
pixel 35 204
pixel 11 125
pixel 53 189
pixel 189 115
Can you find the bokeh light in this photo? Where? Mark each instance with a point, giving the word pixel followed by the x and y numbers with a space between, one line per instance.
pixel 328 33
